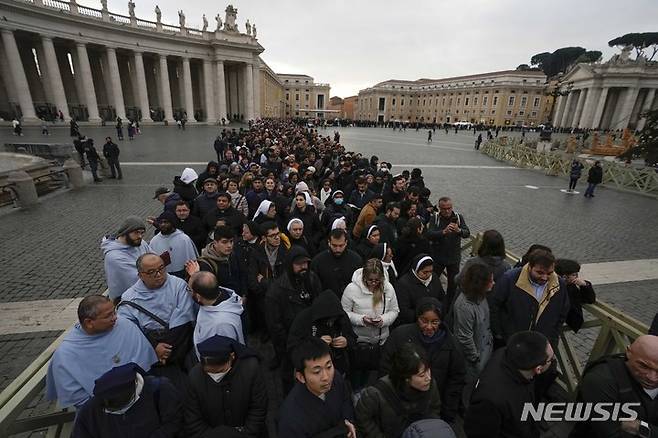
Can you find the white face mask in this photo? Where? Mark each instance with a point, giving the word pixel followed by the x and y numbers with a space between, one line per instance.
pixel 139 385
pixel 217 377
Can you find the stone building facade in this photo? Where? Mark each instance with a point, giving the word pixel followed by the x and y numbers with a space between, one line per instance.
pixel 500 98
pixel 93 64
pixel 304 97
pixel 611 95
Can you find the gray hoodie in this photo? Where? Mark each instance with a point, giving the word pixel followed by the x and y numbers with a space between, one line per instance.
pixel 120 269
pixel 223 319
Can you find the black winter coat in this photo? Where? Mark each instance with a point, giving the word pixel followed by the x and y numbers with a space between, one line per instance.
pixel 259 264
pixel 595 175
pixel 232 217
pixel 186 191
pixel 204 203
pixel 193 227
pixel 446 249
pixel 218 409
pixel 409 290
pixel 577 297
pixel 336 272
pixel 497 402
pixel 446 361
pixel 157 413
pixel 514 307
pixel 285 299
pixel 407 248
pixel 325 317
pixel 312 226
pixel 387 229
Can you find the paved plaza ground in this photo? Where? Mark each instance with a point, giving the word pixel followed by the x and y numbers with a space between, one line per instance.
pixel 52 251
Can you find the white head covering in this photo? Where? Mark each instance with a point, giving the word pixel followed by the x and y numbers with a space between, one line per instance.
pixel 262 208
pixel 188 175
pixel 292 221
pixel 341 220
pixel 415 270
pixel 307 197
pixel 301 187
pixel 371 228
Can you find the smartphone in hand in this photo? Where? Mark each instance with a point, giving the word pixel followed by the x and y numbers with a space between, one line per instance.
pixel 166 258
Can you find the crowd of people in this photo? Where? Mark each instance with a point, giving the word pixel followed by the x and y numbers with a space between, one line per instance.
pixel 292 259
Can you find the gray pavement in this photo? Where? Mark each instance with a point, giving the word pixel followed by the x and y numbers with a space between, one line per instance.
pixel 52 251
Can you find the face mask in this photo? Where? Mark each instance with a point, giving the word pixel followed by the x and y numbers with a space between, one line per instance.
pixel 217 377
pixel 338 201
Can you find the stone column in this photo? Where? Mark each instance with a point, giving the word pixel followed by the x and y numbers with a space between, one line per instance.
pixel 256 75
pixel 84 70
pixel 600 107
pixel 18 76
pixel 208 92
pixel 646 106
pixel 567 111
pixel 221 91
pixel 42 75
pixel 557 117
pixel 5 72
pixel 589 107
pixel 233 93
pixel 55 77
pixel 249 92
pixel 626 110
pixel 579 108
pixel 165 89
pixel 142 95
pixel 115 81
pixel 187 84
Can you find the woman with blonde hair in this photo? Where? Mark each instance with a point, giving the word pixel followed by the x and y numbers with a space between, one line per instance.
pixel 371 304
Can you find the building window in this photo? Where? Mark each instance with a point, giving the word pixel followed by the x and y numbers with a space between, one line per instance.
pixel 533 114
pixel 382 103
pixel 524 101
pixel 306 97
pixel 521 113
pixel 466 101
pixel 393 102
pixel 509 112
pixel 459 99
pixel 287 96
pixel 510 101
pixel 493 112
pixel 484 100
pixel 495 100
pixel 297 97
pixel 475 101
pixel 401 102
pixel 443 102
pixel 536 102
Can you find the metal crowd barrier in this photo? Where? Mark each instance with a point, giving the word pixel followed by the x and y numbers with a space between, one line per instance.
pixel 617 330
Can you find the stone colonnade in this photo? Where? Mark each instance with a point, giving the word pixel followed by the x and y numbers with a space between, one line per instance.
pixel 42 75
pixel 604 107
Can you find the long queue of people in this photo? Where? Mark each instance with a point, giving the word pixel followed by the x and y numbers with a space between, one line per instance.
pixel 289 241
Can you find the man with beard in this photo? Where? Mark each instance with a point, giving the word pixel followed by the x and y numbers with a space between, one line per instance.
pixel 191 225
pixel 265 266
pixel 532 297
pixel 99 341
pixel 224 211
pixel 291 293
pixel 336 265
pixel 120 253
pixel 161 307
pixel 177 246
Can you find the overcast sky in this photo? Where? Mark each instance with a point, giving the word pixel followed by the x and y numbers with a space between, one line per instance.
pixel 355 44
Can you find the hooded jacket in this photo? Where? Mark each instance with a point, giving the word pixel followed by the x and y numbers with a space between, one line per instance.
pixel 357 301
pixel 336 272
pixel 206 174
pixel 187 191
pixel 229 272
pixel 288 296
pixel 204 203
pixel 222 318
pixel 325 317
pixel 119 262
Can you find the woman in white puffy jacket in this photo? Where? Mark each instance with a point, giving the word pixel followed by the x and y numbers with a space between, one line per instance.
pixel 370 302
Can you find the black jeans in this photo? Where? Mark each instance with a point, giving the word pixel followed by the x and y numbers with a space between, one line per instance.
pixel 93 165
pixel 451 271
pixel 115 167
pixel 572 183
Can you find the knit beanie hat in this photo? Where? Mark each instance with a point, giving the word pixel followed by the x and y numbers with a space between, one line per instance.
pixel 130 224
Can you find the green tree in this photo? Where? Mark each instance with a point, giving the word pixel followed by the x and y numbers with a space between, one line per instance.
pixel 639 42
pixel 647 146
pixel 590 56
pixel 558 61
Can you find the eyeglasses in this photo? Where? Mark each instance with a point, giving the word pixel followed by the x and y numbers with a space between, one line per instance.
pixel 154 272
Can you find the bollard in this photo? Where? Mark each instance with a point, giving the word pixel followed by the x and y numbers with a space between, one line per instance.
pixel 74 171
pixel 26 191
